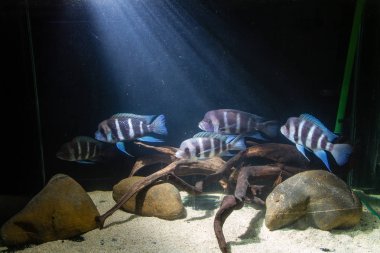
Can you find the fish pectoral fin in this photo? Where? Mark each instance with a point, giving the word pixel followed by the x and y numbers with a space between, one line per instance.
pixel 321 154
pixel 227 153
pixel 149 139
pixel 302 150
pixel 109 137
pixel 258 136
pixel 120 146
pixel 85 162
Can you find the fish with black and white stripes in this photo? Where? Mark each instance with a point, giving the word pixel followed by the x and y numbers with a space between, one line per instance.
pixel 307 132
pixel 81 149
pixel 128 126
pixel 229 121
pixel 206 145
pixel 123 127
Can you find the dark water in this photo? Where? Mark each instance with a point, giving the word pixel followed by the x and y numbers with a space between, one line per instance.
pixel 178 58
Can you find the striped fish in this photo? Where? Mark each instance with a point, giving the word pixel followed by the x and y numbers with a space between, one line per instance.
pixel 81 149
pixel 127 126
pixel 308 132
pixel 228 121
pixel 205 145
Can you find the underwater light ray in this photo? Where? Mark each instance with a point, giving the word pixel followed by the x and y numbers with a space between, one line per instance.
pixel 162 53
pixel 208 51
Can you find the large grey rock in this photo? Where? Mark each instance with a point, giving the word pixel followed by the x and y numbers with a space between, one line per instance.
pixel 161 200
pixel 317 197
pixel 61 210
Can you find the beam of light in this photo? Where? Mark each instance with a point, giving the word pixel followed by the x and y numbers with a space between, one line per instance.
pixel 163 59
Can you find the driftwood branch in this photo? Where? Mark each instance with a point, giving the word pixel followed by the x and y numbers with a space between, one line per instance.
pixel 135 188
pixel 278 153
pixel 182 185
pixel 223 172
pixel 164 150
pixel 171 171
pixel 148 160
pixel 205 167
pixel 228 205
pixel 284 161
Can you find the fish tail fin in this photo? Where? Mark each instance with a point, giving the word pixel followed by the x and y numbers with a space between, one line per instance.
pixel 341 153
pixel 158 125
pixel 270 128
pixel 236 142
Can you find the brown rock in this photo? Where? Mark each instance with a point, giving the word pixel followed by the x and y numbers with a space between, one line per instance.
pixel 160 200
pixel 61 210
pixel 322 200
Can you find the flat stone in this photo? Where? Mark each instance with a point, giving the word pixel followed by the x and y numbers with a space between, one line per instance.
pixel 316 198
pixel 62 209
pixel 161 200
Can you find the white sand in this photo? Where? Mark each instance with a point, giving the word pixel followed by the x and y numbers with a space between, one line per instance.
pixel 244 231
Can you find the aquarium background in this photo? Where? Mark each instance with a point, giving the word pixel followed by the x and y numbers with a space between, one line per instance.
pixel 71 64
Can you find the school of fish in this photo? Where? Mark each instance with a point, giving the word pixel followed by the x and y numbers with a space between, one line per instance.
pixel 224 130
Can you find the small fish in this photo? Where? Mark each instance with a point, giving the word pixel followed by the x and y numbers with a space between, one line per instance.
pixel 228 121
pixel 127 126
pixel 206 145
pixel 81 149
pixel 308 132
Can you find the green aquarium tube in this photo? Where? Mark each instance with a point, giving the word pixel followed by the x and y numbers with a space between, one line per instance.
pixel 354 38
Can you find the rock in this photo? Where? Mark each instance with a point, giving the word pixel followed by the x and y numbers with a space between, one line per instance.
pixel 62 209
pixel 160 200
pixel 317 197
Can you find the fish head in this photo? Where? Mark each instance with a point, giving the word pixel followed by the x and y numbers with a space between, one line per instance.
pixel 181 154
pixel 184 150
pixel 66 152
pixel 100 136
pixel 206 125
pixel 289 128
pixel 104 133
pixel 284 130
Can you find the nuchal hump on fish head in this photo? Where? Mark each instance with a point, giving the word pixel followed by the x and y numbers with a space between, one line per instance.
pixel 104 132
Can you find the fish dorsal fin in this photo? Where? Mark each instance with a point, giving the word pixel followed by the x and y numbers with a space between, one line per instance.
pixel 146 118
pixel 330 135
pixel 210 135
